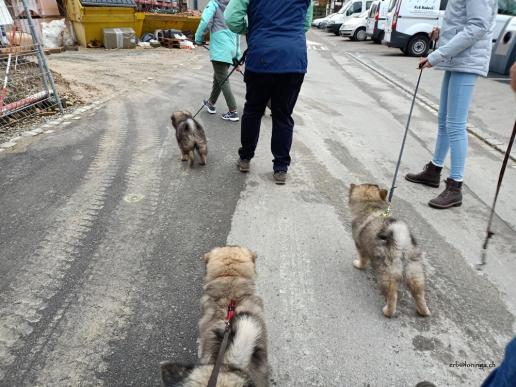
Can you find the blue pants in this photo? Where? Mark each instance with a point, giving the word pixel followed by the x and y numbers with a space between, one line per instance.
pixel 282 90
pixel 456 95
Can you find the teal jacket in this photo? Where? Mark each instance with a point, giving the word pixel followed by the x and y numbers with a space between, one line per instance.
pixel 224 44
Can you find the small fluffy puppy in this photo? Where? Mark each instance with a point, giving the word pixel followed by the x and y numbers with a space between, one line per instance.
pixel 190 136
pixel 388 244
pixel 230 275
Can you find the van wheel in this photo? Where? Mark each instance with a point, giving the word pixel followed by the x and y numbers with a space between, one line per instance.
pixel 419 45
pixel 360 34
pixel 378 38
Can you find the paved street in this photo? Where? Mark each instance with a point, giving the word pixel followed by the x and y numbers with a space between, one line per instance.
pixel 102 230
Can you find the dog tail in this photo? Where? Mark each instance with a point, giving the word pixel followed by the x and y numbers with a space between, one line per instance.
pixel 247 336
pixel 397 234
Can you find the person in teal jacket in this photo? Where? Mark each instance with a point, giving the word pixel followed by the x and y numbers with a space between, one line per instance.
pixel 224 49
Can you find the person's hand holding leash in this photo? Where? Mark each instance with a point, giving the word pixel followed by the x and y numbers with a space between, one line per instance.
pixel 424 63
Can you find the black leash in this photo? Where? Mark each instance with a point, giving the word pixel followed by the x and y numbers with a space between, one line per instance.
pixel 393 186
pixel 489 232
pixel 212 382
pixel 235 66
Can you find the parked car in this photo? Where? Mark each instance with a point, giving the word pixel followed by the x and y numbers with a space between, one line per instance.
pixel 355 28
pixel 326 20
pixel 352 7
pixel 375 27
pixel 317 22
pixel 408 25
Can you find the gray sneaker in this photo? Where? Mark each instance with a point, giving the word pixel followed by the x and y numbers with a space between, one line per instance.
pixel 280 177
pixel 209 107
pixel 230 116
pixel 244 165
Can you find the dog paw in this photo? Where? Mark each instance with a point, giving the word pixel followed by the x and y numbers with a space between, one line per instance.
pixel 424 312
pixel 358 264
pixel 387 312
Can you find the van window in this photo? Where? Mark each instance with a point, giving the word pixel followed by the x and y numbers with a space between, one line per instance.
pixel 357 7
pixel 507 7
pixel 392 4
pixel 444 3
pixel 368 4
pixel 372 10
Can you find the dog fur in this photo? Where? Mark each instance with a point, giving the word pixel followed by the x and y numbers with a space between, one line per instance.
pixel 388 244
pixel 190 137
pixel 230 275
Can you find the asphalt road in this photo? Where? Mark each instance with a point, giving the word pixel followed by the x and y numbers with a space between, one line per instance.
pixel 103 229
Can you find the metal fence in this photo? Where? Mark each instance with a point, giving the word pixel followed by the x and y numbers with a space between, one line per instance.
pixel 27 85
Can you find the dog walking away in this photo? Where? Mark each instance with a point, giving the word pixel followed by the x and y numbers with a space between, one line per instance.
pixel 190 137
pixel 230 280
pixel 388 244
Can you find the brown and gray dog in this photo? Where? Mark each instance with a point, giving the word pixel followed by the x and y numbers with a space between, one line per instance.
pixel 190 137
pixel 388 244
pixel 230 275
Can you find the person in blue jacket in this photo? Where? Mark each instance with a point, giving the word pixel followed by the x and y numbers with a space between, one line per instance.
pixel 275 67
pixel 224 50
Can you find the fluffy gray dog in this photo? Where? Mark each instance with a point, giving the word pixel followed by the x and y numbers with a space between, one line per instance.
pixel 230 276
pixel 388 244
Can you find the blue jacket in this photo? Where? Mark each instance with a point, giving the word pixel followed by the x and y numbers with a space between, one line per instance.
pixel 465 40
pixel 275 33
pixel 224 44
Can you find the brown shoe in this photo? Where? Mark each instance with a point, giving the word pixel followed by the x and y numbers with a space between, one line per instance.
pixel 450 197
pixel 244 165
pixel 431 176
pixel 280 177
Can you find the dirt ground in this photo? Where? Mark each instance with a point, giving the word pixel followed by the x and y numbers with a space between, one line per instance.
pixel 87 75
pixel 94 73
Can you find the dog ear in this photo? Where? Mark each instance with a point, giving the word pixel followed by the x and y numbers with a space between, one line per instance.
pixel 173 374
pixel 383 194
pixel 173 119
pixel 352 187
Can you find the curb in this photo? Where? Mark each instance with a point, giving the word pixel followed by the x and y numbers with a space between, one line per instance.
pixel 434 108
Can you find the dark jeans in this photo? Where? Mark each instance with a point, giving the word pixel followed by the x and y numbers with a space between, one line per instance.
pixel 282 90
pixel 220 72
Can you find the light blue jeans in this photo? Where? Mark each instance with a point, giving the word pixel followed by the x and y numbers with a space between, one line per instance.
pixel 456 95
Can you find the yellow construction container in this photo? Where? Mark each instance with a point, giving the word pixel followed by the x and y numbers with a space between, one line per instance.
pixel 88 22
pixel 156 21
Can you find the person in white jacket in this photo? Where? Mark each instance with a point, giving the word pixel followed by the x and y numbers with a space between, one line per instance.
pixel 464 51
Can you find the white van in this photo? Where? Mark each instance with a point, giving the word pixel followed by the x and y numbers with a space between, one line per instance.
pixel 352 7
pixel 355 28
pixel 375 26
pixel 409 22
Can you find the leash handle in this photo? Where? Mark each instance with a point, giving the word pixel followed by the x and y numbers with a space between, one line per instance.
pixel 489 232
pixel 393 185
